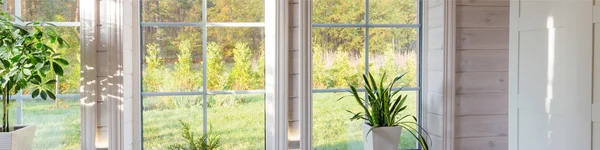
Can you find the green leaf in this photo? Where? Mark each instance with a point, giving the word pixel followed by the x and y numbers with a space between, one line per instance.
pixel 35 93
pixel 39 45
pixel 15 58
pixel 37 78
pixel 57 69
pixel 27 72
pixel 43 95
pixel 61 61
pixel 50 94
pixel 51 82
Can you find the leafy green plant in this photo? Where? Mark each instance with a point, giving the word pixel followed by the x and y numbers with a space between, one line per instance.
pixel 27 57
pixel 208 141
pixel 240 77
pixel 384 107
pixel 215 66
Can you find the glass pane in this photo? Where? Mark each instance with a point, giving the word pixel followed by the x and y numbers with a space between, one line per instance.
pixel 162 116
pixel 236 10
pixel 338 11
pixel 239 120
pixel 338 57
pixel 332 128
pixel 57 123
pixel 47 10
pixel 10 6
pixel 236 59
pixel 171 10
pixel 172 59
pixel 69 82
pixel 393 11
pixel 394 51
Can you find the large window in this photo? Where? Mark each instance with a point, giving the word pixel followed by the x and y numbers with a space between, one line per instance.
pixel 203 64
pixel 57 121
pixel 350 38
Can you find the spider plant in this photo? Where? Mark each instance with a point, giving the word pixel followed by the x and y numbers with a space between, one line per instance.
pixel 385 107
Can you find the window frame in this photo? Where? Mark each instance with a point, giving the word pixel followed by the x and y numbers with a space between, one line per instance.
pixel 367 25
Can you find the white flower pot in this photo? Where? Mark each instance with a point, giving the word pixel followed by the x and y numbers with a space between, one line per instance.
pixel 381 138
pixel 19 139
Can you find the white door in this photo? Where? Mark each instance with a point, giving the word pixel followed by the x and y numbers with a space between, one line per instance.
pixel 550 75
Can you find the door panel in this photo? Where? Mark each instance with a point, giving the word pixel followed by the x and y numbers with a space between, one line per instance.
pixel 551 59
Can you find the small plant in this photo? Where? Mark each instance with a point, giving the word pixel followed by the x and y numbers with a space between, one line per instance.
pixel 384 107
pixel 208 141
pixel 26 59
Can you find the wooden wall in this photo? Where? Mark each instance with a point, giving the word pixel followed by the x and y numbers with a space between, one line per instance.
pixel 433 66
pixel 481 110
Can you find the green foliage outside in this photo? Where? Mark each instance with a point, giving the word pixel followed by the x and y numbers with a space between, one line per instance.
pixel 332 128
pixel 208 141
pixel 173 62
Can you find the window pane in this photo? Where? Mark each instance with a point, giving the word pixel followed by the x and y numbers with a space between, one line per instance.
pixel 48 10
pixel 394 51
pixel 58 121
pixel 161 119
pixel 332 128
pixel 393 11
pixel 171 10
pixel 338 11
pixel 172 59
pixel 69 82
pixel 57 124
pixel 236 10
pixel 236 59
pixel 338 57
pixel 239 120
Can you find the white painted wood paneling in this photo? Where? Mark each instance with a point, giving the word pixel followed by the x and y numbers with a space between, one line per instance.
pixel 481 126
pixel 481 82
pixel 551 57
pixel 482 104
pixel 482 60
pixel 483 2
pixel 483 143
pixel 482 38
pixel 596 136
pixel 481 16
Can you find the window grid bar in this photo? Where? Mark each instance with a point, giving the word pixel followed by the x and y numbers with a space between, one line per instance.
pixel 259 24
pixel 58 24
pixel 204 68
pixel 420 68
pixel 228 92
pixel 201 24
pixel 367 25
pixel 366 41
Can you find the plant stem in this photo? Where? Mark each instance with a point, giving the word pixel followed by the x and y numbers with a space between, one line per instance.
pixel 5 111
pixel 7 106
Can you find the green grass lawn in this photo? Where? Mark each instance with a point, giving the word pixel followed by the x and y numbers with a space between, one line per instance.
pixel 238 120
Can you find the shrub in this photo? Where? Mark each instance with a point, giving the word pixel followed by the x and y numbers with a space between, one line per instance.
pixel 319 72
pixel 215 67
pixel 185 78
pixel 153 74
pixel 208 141
pixel 410 76
pixel 240 77
pixel 259 78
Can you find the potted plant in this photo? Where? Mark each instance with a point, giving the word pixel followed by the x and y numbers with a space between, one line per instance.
pixel 26 58
pixel 383 115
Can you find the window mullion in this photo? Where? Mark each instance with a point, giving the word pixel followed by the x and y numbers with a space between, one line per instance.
pixel 204 70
